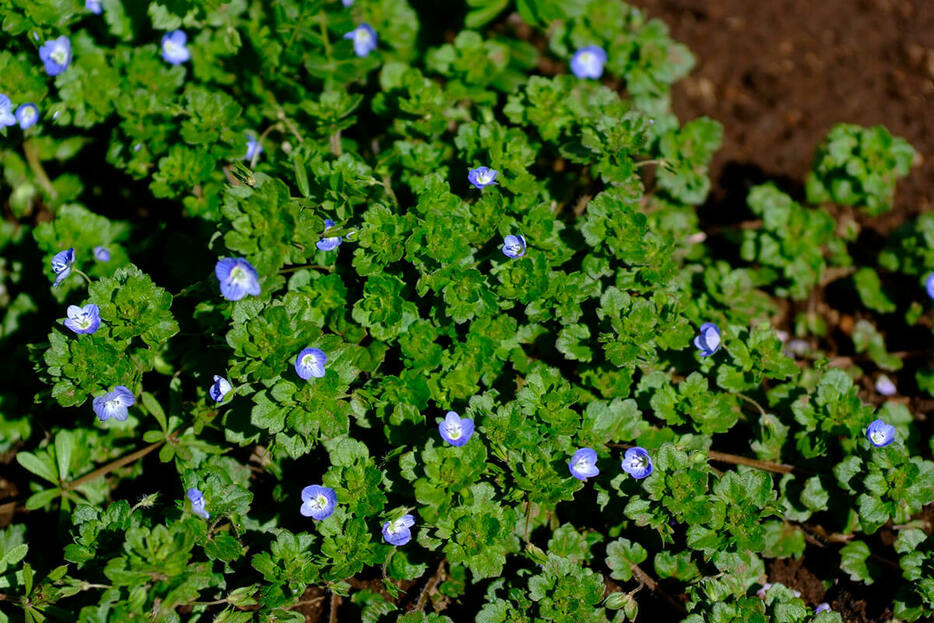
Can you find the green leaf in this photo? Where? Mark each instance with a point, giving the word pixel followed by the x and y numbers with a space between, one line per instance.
pixel 43 467
pixel 853 559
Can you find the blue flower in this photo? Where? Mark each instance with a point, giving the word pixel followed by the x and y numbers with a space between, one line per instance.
pixel 220 388
pixel 102 254
pixel 328 243
pixel 708 339
pixel 929 285
pixel 481 177
pixel 61 265
pixel 583 464
pixel 455 430
pixel 237 278
pixel 823 607
pixel 347 2
pixel 114 404
pixel 56 54
pixel 252 146
pixel 364 39
pixel 27 115
pixel 885 386
pixel 174 50
pixel 318 502
pixel 197 503
pixel 94 6
pixel 83 319
pixel 514 246
pixel 588 62
pixel 310 363
pixel 880 434
pixel 7 118
pixel 398 531
pixel 637 463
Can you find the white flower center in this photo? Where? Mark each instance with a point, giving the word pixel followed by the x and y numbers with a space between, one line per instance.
pixel 173 49
pixel 361 36
pixel 83 321
pixel 29 114
pixel 394 526
pixel 238 276
pixel 59 55
pixel 454 430
pixel 582 464
pixel 485 177
pixel 318 502
pixel 587 58
pixel 878 436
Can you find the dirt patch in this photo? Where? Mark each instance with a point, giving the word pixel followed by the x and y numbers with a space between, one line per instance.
pixel 780 74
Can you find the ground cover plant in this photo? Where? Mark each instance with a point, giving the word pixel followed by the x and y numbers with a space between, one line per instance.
pixel 362 310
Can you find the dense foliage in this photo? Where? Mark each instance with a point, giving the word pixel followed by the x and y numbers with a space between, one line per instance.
pixel 385 310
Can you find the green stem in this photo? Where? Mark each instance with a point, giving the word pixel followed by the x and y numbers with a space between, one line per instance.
pixel 32 157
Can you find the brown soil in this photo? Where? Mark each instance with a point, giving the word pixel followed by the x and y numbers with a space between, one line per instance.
pixel 780 73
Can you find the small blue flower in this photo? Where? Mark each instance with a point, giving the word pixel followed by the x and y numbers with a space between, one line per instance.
pixel 61 265
pixel 398 531
pixel 885 386
pixel 220 388
pixel 929 285
pixel 588 62
pixel 174 49
pixel 328 243
pixel 27 115
pixel 637 463
pixel 94 6
pixel 102 254
pixel 880 434
pixel 347 2
pixel 824 607
pixel 481 177
pixel 252 146
pixel 514 246
pixel 310 363
pixel 83 319
pixel 56 54
pixel 318 502
pixel 708 339
pixel 197 503
pixel 583 464
pixel 364 39
pixel 455 430
pixel 7 118
pixel 114 404
pixel 237 278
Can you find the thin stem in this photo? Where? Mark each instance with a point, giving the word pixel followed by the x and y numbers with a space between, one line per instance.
pixel 83 274
pixel 106 469
pixel 32 157
pixel 778 468
pixel 723 457
pixel 335 602
pixel 433 581
pixel 262 137
pixel 291 126
pixel 335 143
pixel 646 579
pixel 324 36
pixel 752 402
